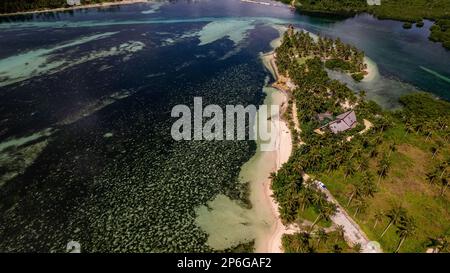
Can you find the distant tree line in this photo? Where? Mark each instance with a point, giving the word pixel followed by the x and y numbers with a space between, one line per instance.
pixel 11 6
pixel 410 11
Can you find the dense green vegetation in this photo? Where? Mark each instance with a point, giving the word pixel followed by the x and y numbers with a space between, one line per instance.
pixel 10 6
pixel 319 242
pixel 440 32
pixel 407 25
pixel 392 179
pixel 344 7
pixel 300 47
pixel 411 11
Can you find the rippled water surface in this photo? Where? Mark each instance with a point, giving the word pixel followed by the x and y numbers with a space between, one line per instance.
pixel 85 102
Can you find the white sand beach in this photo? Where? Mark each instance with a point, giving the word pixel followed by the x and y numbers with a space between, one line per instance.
pixel 282 154
pixel 372 70
pixel 271 242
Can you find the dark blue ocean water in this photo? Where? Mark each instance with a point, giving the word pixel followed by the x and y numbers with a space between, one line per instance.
pixel 85 101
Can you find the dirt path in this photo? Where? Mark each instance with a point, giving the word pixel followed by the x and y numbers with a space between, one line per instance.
pixel 353 232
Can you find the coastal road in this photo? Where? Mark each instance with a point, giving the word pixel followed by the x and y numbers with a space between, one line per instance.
pixel 353 232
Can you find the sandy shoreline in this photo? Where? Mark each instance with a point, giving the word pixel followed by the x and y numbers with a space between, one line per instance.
pixel 99 5
pixel 272 242
pixel 283 152
pixel 372 70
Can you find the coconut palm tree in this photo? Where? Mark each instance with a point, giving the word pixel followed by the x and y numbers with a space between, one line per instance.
pixel 337 248
pixel 357 248
pixel 373 152
pixel 444 185
pixel 349 169
pixel 383 167
pixel 383 124
pixel 356 191
pixel 322 236
pixel 357 151
pixel 429 128
pixel 369 188
pixel 409 128
pixel 362 95
pixel 392 148
pixel 340 232
pixel 304 239
pixel 437 148
pixel 377 218
pixel 441 123
pixel 431 176
pixel 443 167
pixel 378 139
pixel 304 196
pixel 361 205
pixel 406 228
pixel 438 244
pixel 326 211
pixel 394 215
pixel 363 164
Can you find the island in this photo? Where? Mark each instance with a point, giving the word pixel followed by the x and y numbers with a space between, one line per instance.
pixel 411 12
pixel 360 178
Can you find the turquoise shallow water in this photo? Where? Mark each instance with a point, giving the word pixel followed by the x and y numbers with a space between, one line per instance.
pixel 400 54
pixel 85 115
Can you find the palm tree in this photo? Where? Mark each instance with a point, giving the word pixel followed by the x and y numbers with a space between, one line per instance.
pixel 349 169
pixel 362 95
pixel 409 128
pixel 377 218
pixel 305 237
pixel 373 152
pixel 322 236
pixel 383 124
pixel 303 242
pixel 394 215
pixel 361 205
pixel 431 176
pixel 357 247
pixel 441 123
pixel 272 175
pixel 444 185
pixel 356 191
pixel 406 228
pixel 305 200
pixel 383 167
pixel 443 168
pixel 369 187
pixel 362 188
pixel 356 152
pixel 378 139
pixel 392 148
pixel 363 164
pixel 436 148
pixel 429 127
pixel 326 211
pixel 438 244
pixel 340 232
pixel 337 248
